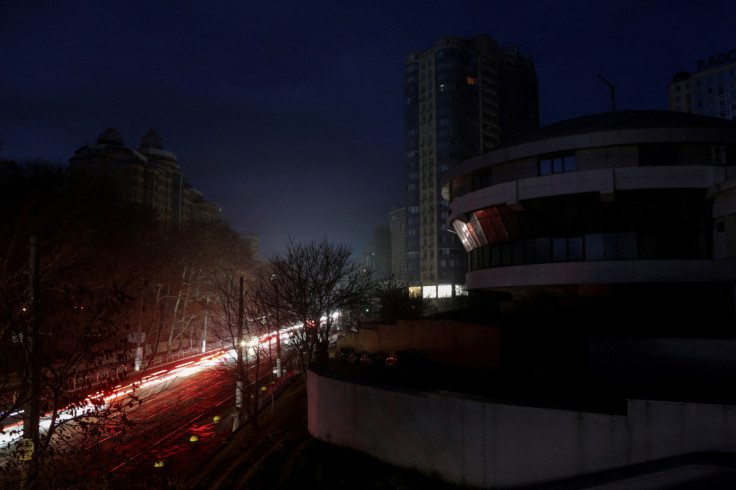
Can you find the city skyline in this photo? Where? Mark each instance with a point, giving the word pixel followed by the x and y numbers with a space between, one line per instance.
pixel 291 117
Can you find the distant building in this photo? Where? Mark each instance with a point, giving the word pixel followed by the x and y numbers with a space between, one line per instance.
pixel 633 212
pixel 164 165
pixel 196 209
pixel 148 176
pixel 382 251
pixel 711 91
pixel 398 243
pixel 377 257
pixel 462 98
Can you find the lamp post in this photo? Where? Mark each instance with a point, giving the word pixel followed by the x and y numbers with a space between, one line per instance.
pixel 613 92
pixel 278 332
pixel 279 369
pixel 32 381
pixel 204 333
pixel 139 347
pixel 240 345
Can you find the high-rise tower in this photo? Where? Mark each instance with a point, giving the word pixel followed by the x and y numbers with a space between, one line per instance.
pixel 710 91
pixel 462 98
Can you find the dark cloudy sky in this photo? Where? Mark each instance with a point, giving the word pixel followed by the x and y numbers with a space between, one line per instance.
pixel 289 113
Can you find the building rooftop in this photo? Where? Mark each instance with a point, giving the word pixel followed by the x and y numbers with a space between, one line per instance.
pixel 611 121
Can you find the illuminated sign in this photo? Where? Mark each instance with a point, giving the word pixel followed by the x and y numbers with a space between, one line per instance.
pixel 719 59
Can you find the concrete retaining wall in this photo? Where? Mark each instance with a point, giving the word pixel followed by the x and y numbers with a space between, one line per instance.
pixel 461 344
pixel 482 443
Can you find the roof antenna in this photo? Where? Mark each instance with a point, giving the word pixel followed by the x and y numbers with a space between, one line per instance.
pixel 613 92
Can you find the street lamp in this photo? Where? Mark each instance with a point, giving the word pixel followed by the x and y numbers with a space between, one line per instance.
pixel 204 333
pixel 240 365
pixel 278 333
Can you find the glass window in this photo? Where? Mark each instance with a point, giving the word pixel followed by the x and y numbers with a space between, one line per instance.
pixel 609 246
pixel 529 252
pixel 444 291
pixel 594 247
pixel 505 254
pixel 485 257
pixel 557 165
pixel 626 246
pixel 517 253
pixel 545 166
pixel 559 249
pixel 541 250
pixel 575 248
pixel 648 247
pixel 495 256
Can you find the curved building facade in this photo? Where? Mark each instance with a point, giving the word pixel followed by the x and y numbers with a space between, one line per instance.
pixel 603 204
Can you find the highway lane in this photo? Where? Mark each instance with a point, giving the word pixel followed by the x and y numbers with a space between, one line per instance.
pixel 178 430
pixel 152 437
pixel 152 434
pixel 169 420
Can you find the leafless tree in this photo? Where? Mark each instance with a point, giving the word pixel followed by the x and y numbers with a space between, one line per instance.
pixel 202 252
pixel 103 272
pixel 313 281
pixel 395 302
pixel 66 276
pixel 238 321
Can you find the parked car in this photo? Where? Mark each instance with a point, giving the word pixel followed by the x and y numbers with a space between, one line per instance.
pixel 354 358
pixel 407 358
pixel 344 352
pixel 373 359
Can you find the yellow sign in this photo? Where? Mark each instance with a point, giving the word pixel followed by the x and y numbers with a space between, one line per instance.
pixel 25 449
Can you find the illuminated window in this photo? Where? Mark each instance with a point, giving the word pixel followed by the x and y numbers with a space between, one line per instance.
pixel 444 291
pixel 471 81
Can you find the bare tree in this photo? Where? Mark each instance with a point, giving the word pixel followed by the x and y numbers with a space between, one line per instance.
pixel 237 319
pixel 101 272
pixel 312 282
pixel 202 252
pixel 67 273
pixel 395 302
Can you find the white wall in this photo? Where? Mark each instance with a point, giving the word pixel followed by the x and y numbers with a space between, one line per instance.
pixel 482 443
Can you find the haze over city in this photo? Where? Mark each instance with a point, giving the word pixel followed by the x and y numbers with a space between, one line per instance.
pixel 290 114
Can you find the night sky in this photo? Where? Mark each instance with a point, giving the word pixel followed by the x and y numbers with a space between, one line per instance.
pixel 289 114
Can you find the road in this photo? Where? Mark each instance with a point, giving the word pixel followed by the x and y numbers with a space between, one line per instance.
pixel 167 429
pixel 172 412
pixel 175 431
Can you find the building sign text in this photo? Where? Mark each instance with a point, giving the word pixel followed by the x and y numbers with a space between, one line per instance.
pixel 719 59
